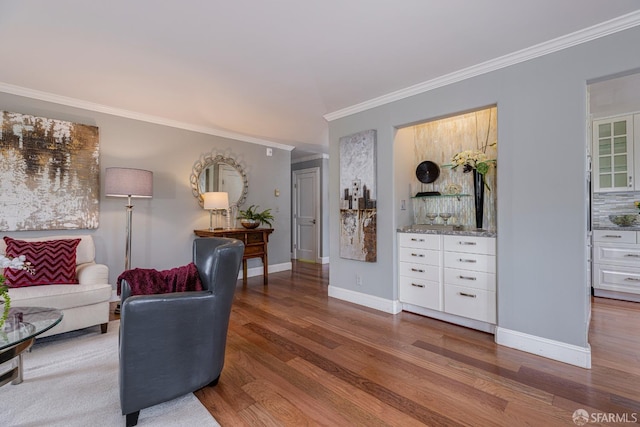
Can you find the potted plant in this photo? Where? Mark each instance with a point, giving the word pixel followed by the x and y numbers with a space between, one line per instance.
pixel 251 218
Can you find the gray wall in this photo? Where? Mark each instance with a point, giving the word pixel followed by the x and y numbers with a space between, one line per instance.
pixel 323 164
pixel 541 214
pixel 163 226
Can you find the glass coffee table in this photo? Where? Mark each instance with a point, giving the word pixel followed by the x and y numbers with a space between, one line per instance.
pixel 18 334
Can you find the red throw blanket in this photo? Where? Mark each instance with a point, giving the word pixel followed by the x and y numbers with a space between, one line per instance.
pixel 144 281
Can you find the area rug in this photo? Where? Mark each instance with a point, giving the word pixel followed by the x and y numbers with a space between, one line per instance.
pixel 72 380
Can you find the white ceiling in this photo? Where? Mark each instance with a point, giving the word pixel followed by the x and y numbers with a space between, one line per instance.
pixel 264 71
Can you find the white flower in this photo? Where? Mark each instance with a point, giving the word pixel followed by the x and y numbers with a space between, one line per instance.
pixel 17 263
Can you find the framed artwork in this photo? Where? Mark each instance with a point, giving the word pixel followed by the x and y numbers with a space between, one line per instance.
pixel 358 229
pixel 49 171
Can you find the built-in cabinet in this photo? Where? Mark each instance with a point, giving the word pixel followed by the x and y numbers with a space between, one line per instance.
pixel 616 153
pixel 450 274
pixel 470 277
pixel 616 267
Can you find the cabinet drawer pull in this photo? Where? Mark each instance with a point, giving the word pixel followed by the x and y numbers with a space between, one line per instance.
pixel 417 270
pixel 464 294
pixel 417 285
pixel 413 239
pixel 613 236
pixel 632 255
pixel 467 243
pixel 467 260
pixel 418 255
pixel 632 279
pixel 467 278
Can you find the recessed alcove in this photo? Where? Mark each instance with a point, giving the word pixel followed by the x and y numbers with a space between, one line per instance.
pixel 438 141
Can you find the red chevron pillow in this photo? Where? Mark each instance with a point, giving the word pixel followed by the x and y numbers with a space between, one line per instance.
pixel 54 262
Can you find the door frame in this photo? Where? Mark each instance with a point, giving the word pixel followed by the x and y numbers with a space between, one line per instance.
pixel 294 216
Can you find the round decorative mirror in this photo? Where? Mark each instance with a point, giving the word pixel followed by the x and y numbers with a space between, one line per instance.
pixel 218 173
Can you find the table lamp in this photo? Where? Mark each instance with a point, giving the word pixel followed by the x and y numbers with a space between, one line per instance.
pixel 215 201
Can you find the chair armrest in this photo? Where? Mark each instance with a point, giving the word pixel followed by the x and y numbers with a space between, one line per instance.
pixel 91 273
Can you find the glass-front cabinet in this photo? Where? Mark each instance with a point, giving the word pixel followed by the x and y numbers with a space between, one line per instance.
pixel 613 154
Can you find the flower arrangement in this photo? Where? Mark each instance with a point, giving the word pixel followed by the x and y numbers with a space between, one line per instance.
pixel 17 263
pixel 470 160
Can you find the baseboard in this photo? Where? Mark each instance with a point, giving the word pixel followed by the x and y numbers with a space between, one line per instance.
pixel 556 350
pixel 273 268
pixel 371 301
pixel 451 318
pixel 625 296
pixel 323 260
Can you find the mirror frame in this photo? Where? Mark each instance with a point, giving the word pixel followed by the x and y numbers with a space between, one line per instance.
pixel 208 160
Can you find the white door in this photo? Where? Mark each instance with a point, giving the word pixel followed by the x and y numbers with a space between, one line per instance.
pixel 306 214
pixel 228 181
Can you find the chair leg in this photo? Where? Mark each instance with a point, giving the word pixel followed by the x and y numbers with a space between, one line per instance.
pixel 214 382
pixel 103 327
pixel 132 419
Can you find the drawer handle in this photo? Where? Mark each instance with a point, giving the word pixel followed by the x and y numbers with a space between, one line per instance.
pixel 413 239
pixel 467 278
pixel 467 260
pixel 418 255
pixel 632 279
pixel 464 294
pixel 633 255
pixel 417 285
pixel 613 236
pixel 417 270
pixel 467 243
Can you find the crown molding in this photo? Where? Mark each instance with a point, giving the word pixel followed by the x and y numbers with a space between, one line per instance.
pixel 603 29
pixel 99 108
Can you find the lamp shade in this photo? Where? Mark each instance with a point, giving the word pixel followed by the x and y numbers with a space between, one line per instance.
pixel 216 200
pixel 128 182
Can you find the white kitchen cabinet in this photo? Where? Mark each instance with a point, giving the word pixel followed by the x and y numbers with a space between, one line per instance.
pixel 451 275
pixel 470 277
pixel 419 269
pixel 616 153
pixel 616 264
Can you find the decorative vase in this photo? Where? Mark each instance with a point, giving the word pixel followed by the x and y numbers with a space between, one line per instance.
pixel 249 223
pixel 478 196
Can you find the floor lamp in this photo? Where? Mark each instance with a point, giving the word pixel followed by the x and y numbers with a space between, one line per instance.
pixel 127 182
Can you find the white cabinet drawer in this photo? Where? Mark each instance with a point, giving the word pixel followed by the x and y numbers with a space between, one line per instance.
pixel 419 271
pixel 470 244
pixel 614 236
pixel 420 256
pixel 472 303
pixel 468 261
pixel 617 254
pixel 471 279
pixel 420 241
pixel 616 278
pixel 423 293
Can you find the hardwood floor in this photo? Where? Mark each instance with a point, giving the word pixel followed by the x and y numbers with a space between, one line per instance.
pixel 296 357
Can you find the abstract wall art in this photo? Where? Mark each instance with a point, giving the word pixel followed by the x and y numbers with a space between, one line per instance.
pixel 49 172
pixel 358 230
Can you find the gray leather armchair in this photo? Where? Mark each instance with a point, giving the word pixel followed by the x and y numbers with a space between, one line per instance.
pixel 173 344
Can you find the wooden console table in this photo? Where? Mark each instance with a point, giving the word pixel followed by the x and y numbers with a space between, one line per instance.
pixel 255 245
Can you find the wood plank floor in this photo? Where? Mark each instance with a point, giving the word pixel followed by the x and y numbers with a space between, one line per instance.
pixel 296 357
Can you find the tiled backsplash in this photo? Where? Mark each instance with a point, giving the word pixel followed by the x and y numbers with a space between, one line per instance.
pixel 605 204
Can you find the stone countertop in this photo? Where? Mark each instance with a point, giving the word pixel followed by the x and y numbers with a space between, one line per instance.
pixel 462 231
pixel 616 228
